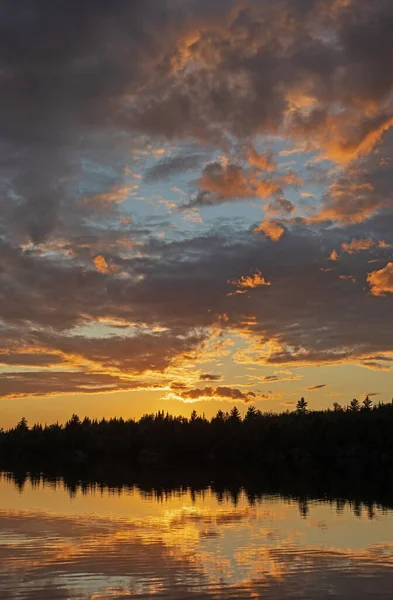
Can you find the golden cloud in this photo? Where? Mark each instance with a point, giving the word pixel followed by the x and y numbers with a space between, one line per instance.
pixel 334 256
pixel 264 162
pixel 103 267
pixel 271 229
pixel 251 281
pixel 381 282
pixel 362 244
pixel 227 181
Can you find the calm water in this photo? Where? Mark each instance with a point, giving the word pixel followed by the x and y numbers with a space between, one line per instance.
pixel 99 544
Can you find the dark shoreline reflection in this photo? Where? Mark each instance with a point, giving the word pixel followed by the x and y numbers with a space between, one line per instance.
pixel 362 491
pixel 168 535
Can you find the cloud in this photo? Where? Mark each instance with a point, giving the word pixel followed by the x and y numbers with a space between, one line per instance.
pixel 334 256
pixel 381 282
pixel 102 266
pixel 347 278
pixel 280 206
pixel 247 282
pixel 223 392
pixel 29 359
pixel 359 245
pixel 173 165
pixel 314 90
pixel 313 388
pixel 271 229
pixel 192 77
pixel 201 79
pixel 362 244
pixel 264 162
pixel 54 383
pixel 226 181
pixel 281 376
pixel 210 377
pixel 181 286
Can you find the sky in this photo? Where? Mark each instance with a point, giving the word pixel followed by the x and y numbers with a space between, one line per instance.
pixel 196 205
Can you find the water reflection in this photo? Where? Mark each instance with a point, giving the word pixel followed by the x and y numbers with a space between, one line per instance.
pixel 91 541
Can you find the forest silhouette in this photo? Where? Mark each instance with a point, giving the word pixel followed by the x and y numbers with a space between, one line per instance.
pixel 360 434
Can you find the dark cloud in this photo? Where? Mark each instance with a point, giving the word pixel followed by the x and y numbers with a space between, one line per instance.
pixel 22 359
pixel 43 383
pixel 231 91
pixel 172 166
pixel 224 392
pixel 182 287
pixel 210 377
pixel 316 387
pixel 219 184
pixel 108 77
pixel 178 386
pixel 104 70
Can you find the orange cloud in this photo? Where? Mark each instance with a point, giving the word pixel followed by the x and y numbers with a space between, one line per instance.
pixel 102 266
pixel 361 145
pixel 348 278
pixel 105 201
pixel 292 178
pixel 251 281
pixel 264 162
pixel 349 202
pixel 226 181
pixel 344 137
pixel 362 244
pixel 334 256
pixel 229 181
pixel 266 188
pixel 271 229
pixel 381 282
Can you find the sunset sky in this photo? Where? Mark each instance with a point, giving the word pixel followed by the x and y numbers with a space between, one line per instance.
pixel 196 205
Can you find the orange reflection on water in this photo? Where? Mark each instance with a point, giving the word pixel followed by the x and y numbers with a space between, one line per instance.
pixel 103 544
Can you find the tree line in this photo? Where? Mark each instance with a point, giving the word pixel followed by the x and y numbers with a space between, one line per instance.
pixel 360 432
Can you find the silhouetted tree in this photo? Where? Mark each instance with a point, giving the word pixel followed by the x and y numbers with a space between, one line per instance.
pixel 235 415
pixel 74 421
pixel 251 413
pixel 219 416
pixel 22 425
pixel 337 407
pixel 367 403
pixel 301 407
pixel 323 436
pixel 194 415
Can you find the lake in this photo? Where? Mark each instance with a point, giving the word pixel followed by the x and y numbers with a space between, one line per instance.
pixel 92 542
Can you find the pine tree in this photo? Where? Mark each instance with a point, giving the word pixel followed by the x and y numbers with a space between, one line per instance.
pixel 354 405
pixel 235 414
pixel 251 413
pixel 301 407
